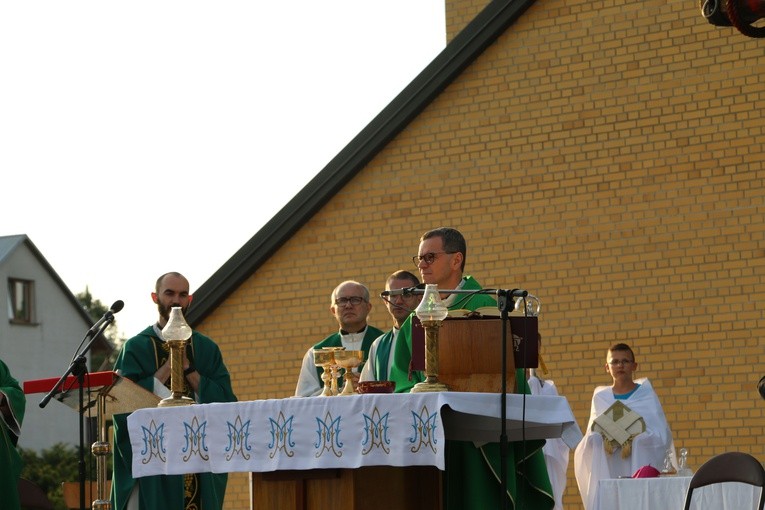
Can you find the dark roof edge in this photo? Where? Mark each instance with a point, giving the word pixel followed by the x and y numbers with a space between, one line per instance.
pixel 481 32
pixel 57 279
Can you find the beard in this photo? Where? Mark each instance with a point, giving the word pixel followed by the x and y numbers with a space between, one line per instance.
pixel 164 311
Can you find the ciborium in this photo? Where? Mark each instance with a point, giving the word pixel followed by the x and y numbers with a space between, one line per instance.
pixel 176 333
pixel 349 360
pixel 325 358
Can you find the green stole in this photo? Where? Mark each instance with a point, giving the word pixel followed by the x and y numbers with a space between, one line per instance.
pixel 382 355
pixel 335 340
pixel 471 478
pixel 10 460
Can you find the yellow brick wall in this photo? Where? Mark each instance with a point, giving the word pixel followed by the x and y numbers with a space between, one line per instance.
pixel 459 13
pixel 607 157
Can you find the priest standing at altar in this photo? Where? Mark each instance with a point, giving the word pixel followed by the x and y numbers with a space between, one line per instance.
pixel 400 306
pixel 350 306
pixel 471 479
pixel 145 360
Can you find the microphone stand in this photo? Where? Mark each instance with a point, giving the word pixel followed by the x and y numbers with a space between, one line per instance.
pixel 78 367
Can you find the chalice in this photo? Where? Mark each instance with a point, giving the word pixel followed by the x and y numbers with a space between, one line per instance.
pixel 326 359
pixel 349 360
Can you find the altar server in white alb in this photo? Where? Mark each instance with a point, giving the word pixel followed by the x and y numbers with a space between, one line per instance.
pixel 555 450
pixel 627 428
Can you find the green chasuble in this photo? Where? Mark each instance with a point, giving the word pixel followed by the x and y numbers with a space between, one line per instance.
pixel 335 340
pixel 471 479
pixel 10 427
pixel 139 359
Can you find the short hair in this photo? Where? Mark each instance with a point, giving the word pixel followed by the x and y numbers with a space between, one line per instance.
pixel 161 279
pixel 403 274
pixel 622 347
pixel 452 240
pixel 354 282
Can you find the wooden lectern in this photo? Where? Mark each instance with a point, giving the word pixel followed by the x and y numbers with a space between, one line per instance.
pixel 110 394
pixel 470 352
pixel 470 360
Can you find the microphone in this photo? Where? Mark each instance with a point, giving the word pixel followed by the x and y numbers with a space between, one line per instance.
pixel 406 291
pixel 108 317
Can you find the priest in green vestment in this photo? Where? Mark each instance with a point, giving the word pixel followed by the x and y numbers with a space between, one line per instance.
pixel 12 405
pixel 144 359
pixel 399 305
pixel 350 306
pixel 471 479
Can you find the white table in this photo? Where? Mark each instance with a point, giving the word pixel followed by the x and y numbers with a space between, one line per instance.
pixel 668 493
pixel 334 432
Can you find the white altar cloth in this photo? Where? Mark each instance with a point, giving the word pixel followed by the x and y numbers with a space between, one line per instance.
pixel 669 492
pixel 334 432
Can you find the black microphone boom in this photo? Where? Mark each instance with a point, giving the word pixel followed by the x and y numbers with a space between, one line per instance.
pixel 406 291
pixel 108 316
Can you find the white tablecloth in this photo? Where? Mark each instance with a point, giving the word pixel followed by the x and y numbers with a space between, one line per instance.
pixel 668 493
pixel 334 432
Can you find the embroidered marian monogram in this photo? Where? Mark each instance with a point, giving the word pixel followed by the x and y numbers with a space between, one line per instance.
pixel 195 440
pixel 329 436
pixel 281 436
pixel 153 442
pixel 376 432
pixel 424 425
pixel 238 435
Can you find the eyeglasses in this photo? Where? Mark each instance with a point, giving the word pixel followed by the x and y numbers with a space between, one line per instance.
pixel 355 301
pixel 430 257
pixel 621 362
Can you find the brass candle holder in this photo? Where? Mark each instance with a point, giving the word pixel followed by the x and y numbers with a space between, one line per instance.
pixel 101 449
pixel 431 312
pixel 176 333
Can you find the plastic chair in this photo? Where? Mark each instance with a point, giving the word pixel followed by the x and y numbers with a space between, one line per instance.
pixel 729 467
pixel 32 496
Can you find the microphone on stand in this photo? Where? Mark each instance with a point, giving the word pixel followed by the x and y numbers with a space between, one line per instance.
pixel 108 316
pixel 406 291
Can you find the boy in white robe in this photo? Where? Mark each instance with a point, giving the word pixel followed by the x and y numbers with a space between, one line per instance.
pixel 594 460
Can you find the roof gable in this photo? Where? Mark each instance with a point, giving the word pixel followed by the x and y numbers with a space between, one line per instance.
pixel 9 244
pixel 458 54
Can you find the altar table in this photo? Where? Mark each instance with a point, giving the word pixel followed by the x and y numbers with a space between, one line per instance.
pixel 669 493
pixel 335 432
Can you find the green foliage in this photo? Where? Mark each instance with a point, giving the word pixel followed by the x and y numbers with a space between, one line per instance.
pixel 101 360
pixel 53 466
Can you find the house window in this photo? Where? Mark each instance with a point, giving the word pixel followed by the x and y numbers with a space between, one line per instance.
pixel 20 301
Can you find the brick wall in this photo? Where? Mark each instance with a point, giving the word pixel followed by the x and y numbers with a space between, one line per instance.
pixel 602 155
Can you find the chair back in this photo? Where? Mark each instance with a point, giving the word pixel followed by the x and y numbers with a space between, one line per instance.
pixel 729 467
pixel 32 497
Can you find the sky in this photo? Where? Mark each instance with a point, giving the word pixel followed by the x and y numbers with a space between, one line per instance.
pixel 143 137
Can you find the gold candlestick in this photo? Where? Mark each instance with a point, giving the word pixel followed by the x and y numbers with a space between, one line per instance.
pixel 431 312
pixel 176 333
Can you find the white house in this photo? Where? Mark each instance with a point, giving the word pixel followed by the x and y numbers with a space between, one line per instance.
pixel 44 327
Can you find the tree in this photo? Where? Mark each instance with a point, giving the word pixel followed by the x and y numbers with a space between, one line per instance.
pixel 102 357
pixel 50 468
